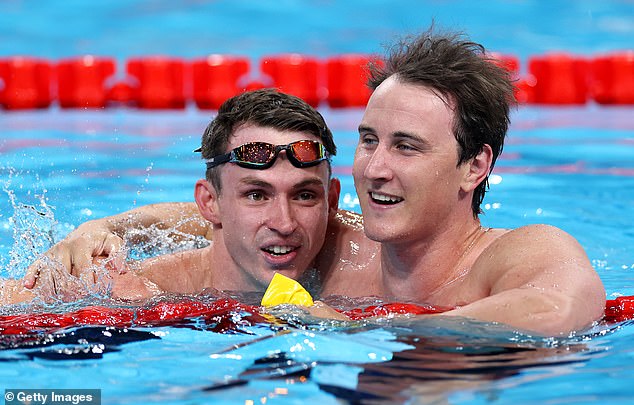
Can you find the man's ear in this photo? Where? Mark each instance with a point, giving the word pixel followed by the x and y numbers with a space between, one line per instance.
pixel 477 169
pixel 334 189
pixel 206 198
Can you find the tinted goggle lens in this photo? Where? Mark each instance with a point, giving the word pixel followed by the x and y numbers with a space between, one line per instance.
pixel 307 151
pixel 256 152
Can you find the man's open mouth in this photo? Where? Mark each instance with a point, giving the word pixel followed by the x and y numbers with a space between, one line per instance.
pixel 279 250
pixel 384 199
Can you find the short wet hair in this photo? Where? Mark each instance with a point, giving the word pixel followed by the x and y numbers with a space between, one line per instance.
pixel 462 73
pixel 265 108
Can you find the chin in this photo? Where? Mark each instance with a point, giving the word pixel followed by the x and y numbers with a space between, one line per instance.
pixel 378 234
pixel 370 234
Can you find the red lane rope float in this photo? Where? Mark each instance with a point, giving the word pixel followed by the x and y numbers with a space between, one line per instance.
pixel 25 83
pixel 619 309
pixel 215 79
pixel 80 81
pixel 220 314
pixel 613 81
pixel 158 82
pixel 295 74
pixel 394 308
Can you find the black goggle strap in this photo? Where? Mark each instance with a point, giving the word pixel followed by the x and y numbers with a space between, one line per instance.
pixel 218 160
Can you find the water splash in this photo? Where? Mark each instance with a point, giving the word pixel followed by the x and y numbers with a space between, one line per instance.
pixel 146 180
pixel 33 226
pixel 30 221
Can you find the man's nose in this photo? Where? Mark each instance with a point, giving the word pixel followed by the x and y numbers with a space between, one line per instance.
pixel 281 216
pixel 377 165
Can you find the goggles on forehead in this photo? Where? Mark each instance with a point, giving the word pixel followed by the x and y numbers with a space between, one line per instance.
pixel 262 155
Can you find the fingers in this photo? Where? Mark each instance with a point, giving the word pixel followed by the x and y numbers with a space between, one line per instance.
pixel 57 255
pixel 83 251
pixel 80 262
pixel 46 286
pixel 31 277
pixel 113 247
pixel 76 254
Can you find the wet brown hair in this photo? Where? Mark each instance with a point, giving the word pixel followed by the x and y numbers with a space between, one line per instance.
pixel 265 108
pixel 480 89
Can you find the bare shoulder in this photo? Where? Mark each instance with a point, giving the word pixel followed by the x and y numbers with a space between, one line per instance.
pixel 181 272
pixel 538 241
pixel 535 255
pixel 536 277
pixel 345 237
pixel 354 245
pixel 347 256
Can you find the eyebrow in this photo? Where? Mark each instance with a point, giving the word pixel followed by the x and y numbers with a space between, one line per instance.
pixel 409 136
pixel 309 182
pixel 252 181
pixel 398 135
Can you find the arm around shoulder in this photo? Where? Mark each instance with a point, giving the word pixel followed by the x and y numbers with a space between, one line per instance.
pixel 104 236
pixel 181 217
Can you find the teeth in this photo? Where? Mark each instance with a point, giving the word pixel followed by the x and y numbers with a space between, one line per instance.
pixel 279 250
pixel 385 198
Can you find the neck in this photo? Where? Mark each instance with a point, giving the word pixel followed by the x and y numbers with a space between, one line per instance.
pixel 415 270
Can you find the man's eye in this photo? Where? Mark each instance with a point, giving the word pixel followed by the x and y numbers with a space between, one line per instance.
pixel 368 140
pixel 255 196
pixel 306 195
pixel 405 147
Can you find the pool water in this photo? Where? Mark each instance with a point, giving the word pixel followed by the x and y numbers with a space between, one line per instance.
pixel 569 167
pixel 572 167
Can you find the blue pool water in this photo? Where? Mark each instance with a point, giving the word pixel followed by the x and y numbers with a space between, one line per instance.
pixel 572 167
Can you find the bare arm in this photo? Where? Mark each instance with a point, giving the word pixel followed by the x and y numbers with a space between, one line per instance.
pixel 104 237
pixel 182 218
pixel 538 279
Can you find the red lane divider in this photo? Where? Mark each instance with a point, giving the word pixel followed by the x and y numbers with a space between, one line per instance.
pixel 394 308
pixel 619 309
pixel 221 316
pixel 295 74
pixel 158 82
pixel 81 82
pixel 216 78
pixel 614 78
pixel 27 83
pixel 559 79
pixel 347 76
